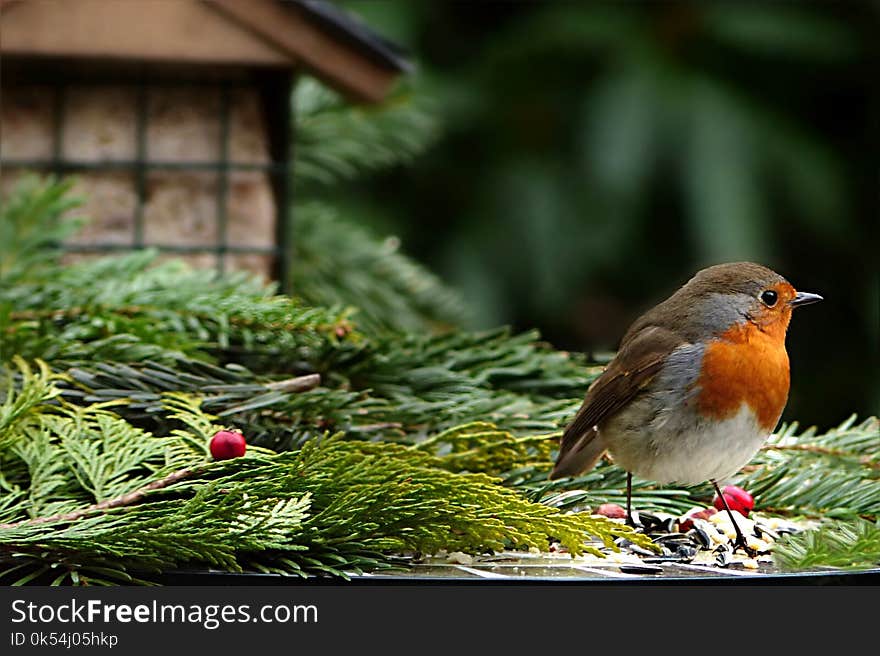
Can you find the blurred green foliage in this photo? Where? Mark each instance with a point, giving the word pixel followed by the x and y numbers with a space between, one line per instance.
pixel 336 260
pixel 592 156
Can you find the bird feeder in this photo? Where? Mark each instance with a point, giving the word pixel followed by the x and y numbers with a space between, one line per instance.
pixel 175 117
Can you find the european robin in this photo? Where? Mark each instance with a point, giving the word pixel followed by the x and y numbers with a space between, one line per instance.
pixel 697 386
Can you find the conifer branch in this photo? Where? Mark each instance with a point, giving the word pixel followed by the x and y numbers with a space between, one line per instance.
pixel 122 500
pixel 867 461
pixel 854 544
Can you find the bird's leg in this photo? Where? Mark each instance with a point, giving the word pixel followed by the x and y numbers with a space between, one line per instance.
pixel 740 538
pixel 629 489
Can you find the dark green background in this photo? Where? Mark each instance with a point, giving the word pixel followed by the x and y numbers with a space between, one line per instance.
pixel 594 156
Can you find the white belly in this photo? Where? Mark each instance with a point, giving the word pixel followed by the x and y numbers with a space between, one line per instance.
pixel 683 448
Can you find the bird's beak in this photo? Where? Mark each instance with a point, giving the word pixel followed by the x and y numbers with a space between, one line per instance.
pixel 804 298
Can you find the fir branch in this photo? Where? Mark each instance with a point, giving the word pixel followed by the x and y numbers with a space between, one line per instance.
pixel 339 263
pixel 166 305
pixel 338 141
pixel 413 386
pixel 854 544
pixel 31 226
pixel 867 461
pixel 437 367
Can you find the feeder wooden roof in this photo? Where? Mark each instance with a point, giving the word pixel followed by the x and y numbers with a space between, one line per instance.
pixel 312 34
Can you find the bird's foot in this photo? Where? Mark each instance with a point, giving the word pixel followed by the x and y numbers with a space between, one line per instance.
pixel 741 542
pixel 633 521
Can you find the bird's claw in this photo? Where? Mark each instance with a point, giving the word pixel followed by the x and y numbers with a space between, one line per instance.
pixel 740 542
pixel 633 522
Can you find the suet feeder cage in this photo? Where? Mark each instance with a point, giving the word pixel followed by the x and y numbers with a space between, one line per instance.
pixel 176 117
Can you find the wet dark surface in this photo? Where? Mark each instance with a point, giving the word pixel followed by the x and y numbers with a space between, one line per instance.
pixel 534 567
pixel 670 574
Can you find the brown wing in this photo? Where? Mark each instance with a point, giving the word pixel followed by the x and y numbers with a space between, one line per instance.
pixel 635 365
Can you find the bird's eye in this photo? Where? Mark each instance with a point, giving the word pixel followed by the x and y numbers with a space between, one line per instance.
pixel 769 297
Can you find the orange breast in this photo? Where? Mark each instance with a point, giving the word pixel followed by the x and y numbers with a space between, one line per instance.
pixel 747 366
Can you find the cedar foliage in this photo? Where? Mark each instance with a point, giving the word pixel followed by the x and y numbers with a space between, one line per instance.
pixel 333 506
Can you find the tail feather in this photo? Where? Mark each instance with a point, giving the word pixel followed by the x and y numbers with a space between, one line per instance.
pixel 581 457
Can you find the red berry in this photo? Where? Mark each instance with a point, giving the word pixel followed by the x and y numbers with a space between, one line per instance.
pixel 611 510
pixel 737 498
pixel 227 444
pixel 686 523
